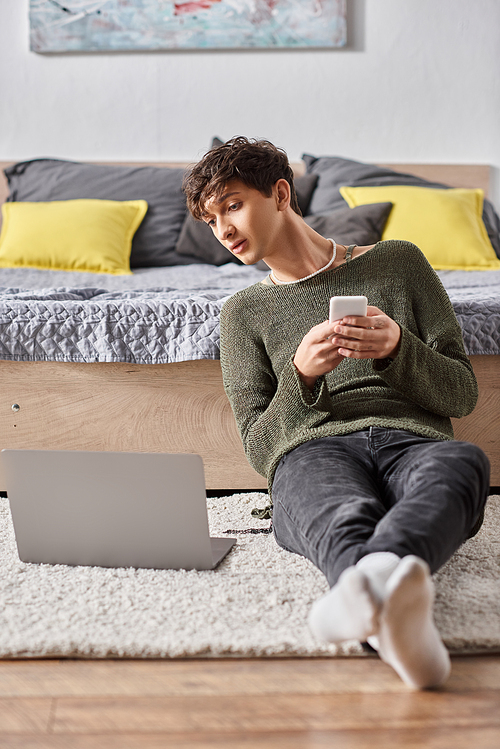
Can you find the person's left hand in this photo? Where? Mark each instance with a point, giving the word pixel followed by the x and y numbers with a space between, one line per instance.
pixel 375 336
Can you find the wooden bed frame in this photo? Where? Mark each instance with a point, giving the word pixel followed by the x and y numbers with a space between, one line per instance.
pixel 182 407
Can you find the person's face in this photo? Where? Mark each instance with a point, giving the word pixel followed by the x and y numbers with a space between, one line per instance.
pixel 244 220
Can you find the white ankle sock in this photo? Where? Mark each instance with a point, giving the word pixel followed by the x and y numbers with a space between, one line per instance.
pixel 408 639
pixel 349 611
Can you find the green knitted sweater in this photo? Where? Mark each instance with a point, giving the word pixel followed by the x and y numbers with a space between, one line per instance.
pixel 430 380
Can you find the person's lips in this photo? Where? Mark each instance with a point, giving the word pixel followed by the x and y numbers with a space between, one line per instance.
pixel 238 247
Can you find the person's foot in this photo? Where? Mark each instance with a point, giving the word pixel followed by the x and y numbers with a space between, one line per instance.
pixel 378 567
pixel 408 639
pixel 349 611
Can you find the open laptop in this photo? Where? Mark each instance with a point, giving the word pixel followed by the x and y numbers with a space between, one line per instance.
pixel 111 509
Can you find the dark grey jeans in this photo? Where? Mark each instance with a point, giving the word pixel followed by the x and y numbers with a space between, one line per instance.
pixel 337 499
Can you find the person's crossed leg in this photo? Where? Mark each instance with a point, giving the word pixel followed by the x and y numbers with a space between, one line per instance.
pixel 378 511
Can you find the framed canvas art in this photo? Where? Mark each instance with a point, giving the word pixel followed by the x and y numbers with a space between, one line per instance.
pixel 122 25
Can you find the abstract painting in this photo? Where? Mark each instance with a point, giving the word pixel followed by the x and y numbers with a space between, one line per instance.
pixel 121 25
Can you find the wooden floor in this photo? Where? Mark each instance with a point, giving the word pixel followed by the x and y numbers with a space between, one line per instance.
pixel 240 704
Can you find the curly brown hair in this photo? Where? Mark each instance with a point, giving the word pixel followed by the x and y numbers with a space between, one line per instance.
pixel 257 163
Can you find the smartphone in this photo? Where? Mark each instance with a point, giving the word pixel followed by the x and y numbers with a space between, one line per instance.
pixel 345 306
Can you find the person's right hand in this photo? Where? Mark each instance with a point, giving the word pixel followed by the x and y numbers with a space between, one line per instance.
pixel 316 354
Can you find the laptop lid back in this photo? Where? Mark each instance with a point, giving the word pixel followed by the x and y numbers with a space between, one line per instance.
pixel 109 509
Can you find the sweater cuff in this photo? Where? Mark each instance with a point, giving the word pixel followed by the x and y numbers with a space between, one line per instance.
pixel 397 372
pixel 311 397
pixel 395 367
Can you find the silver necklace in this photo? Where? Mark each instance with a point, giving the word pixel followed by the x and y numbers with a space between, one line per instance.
pixel 278 282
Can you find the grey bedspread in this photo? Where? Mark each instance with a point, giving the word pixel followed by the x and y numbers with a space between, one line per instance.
pixel 475 296
pixel 164 315
pixel 155 316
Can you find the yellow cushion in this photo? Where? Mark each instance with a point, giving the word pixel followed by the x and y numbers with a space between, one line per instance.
pixel 447 225
pixel 80 235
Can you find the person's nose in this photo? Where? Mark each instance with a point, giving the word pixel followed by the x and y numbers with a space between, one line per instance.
pixel 225 229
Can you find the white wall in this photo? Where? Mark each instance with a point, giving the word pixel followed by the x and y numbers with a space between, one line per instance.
pixel 419 81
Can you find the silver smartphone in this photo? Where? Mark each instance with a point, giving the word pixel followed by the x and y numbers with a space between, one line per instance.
pixel 347 306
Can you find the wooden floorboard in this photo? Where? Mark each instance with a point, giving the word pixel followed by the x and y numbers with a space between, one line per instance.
pixel 485 738
pixel 242 704
pixel 295 712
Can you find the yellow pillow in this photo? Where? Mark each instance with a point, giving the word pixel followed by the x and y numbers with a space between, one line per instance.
pixel 447 225
pixel 80 235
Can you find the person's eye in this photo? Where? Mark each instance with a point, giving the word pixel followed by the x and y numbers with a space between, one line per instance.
pixel 234 206
pixel 210 222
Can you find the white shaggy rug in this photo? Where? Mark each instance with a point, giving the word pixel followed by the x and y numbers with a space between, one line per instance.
pixel 254 604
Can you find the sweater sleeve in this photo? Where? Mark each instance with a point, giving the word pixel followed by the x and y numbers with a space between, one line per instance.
pixel 266 407
pixel 432 368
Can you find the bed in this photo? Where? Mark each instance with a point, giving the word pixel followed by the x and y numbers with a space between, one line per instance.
pixel 154 383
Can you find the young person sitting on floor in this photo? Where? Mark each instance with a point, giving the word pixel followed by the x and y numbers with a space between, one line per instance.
pixel 350 420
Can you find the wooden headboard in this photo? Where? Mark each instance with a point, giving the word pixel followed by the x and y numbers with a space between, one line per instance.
pixel 454 175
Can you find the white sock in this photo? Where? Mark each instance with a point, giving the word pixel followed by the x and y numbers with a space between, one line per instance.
pixel 408 639
pixel 378 567
pixel 349 611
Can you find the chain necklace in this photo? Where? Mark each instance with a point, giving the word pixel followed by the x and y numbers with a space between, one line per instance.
pixel 278 282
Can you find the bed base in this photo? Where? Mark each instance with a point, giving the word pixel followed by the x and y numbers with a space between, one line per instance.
pixel 168 408
pixel 147 408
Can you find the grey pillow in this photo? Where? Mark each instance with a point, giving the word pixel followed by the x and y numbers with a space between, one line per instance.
pixel 155 240
pixel 304 187
pixel 361 225
pixel 198 241
pixel 333 172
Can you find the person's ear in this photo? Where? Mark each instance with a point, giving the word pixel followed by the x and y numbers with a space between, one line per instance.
pixel 282 192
